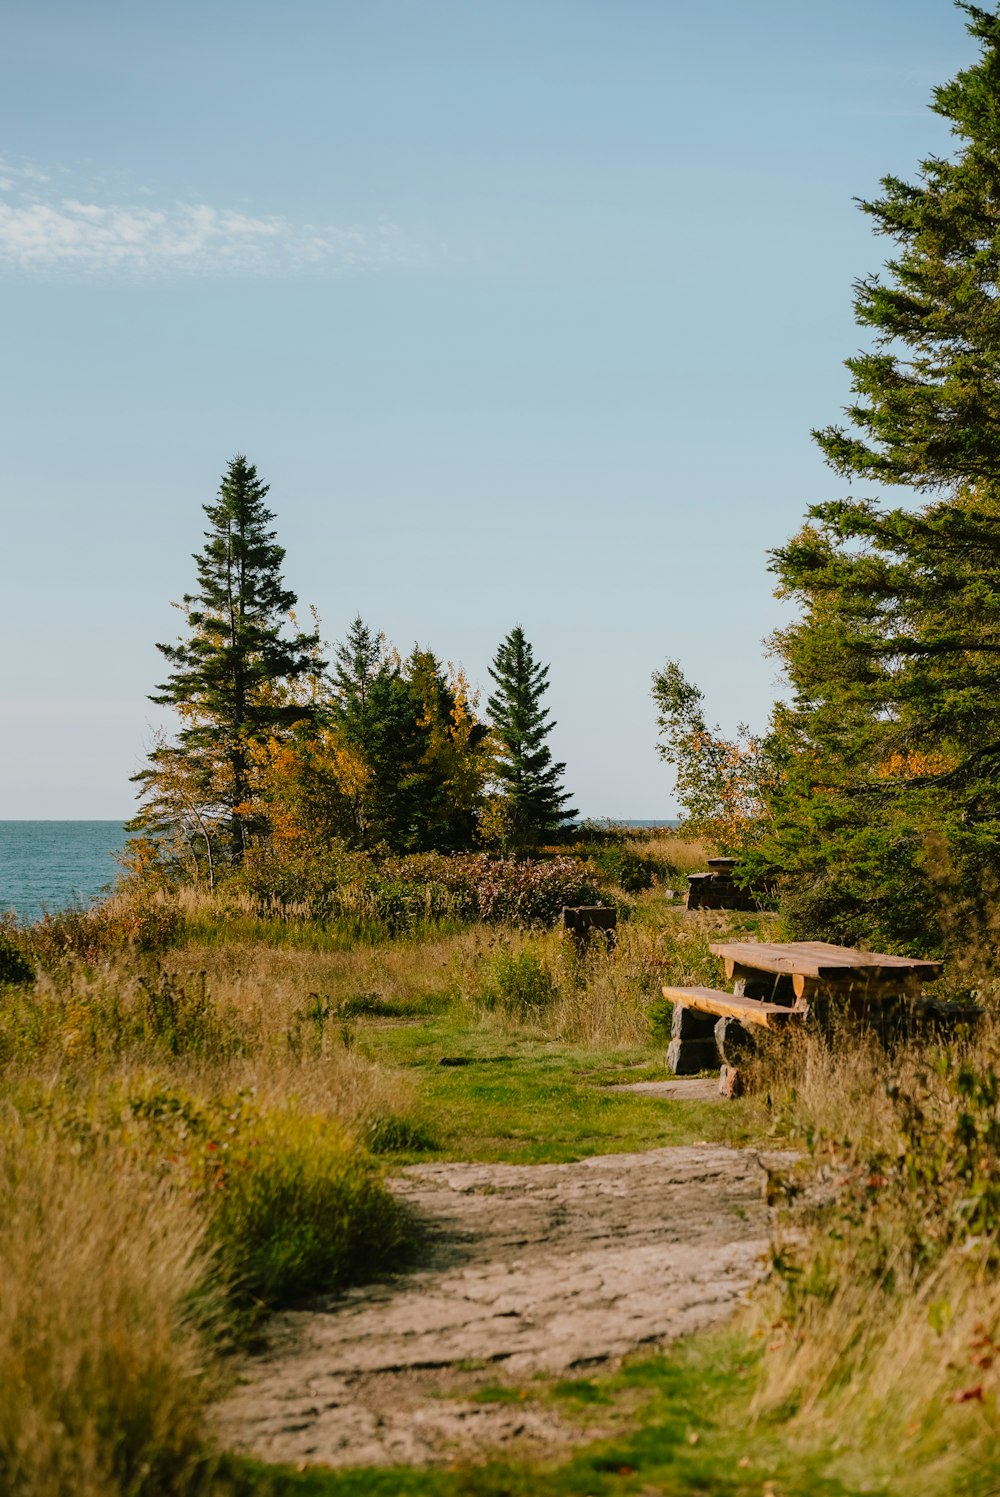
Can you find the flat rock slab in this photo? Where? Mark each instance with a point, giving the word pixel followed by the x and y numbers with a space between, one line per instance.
pixel 530 1268
pixel 683 1089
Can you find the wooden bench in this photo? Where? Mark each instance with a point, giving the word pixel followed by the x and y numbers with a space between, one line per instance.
pixel 732 1006
pixel 710 1026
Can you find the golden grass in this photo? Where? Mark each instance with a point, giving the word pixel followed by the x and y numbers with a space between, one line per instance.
pixel 901 1382
pixel 882 1321
pixel 675 851
pixel 102 1370
pixel 121 1084
pixel 896 1369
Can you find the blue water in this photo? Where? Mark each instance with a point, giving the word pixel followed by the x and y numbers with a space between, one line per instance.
pixel 53 864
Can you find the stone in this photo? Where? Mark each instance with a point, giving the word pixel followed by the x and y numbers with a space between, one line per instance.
pixel 548 1268
pixel 688 1057
pixel 730 1082
pixel 689 1024
pixel 734 1040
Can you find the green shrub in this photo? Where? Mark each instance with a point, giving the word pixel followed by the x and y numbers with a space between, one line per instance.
pixel 885 909
pixel 621 866
pixel 15 968
pixel 517 984
pixel 298 1209
pixel 296 1205
pixel 399 1135
pixel 296 873
pixel 661 1018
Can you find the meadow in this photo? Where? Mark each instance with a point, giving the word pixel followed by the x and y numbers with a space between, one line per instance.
pixel 202 1097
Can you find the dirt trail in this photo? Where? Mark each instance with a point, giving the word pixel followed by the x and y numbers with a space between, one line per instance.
pixel 540 1268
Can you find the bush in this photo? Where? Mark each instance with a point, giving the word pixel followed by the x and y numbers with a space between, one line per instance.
pixel 298 873
pixel 299 1209
pixel 621 866
pixel 400 896
pixel 15 968
pixel 178 1015
pixel 295 1204
pixel 517 984
pixel 399 1135
pixel 508 891
pixel 138 921
pixel 895 909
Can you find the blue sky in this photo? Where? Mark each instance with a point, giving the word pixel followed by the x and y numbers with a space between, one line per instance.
pixel 524 309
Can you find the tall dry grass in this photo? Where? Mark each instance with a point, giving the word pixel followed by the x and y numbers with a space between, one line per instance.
pixel 180 1133
pixel 103 1380
pixel 598 996
pixel 676 853
pixel 882 1318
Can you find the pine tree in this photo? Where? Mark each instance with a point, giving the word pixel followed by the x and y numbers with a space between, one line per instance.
pixel 927 407
pixel 530 783
pixel 416 732
pixel 374 709
pixel 358 663
pixel 455 759
pixel 235 677
pixel 891 744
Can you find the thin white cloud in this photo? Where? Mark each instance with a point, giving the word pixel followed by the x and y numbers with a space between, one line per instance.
pixel 45 228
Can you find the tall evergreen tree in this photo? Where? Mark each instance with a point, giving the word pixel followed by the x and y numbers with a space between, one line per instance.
pixel 927 406
pixel 455 759
pixel 417 735
pixel 374 709
pixel 891 743
pixel 531 783
pixel 234 678
pixel 358 663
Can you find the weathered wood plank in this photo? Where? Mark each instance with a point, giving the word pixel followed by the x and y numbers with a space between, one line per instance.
pixel 818 959
pixel 730 1006
pixel 881 987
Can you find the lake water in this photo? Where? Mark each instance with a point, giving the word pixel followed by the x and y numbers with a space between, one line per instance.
pixel 53 864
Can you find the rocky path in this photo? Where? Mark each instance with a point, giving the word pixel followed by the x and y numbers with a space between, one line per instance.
pixel 531 1269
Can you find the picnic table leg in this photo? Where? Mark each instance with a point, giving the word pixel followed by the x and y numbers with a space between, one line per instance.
pixel 692 1042
pixel 735 1044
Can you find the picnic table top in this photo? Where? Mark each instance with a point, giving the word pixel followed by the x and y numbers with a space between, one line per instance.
pixel 820 959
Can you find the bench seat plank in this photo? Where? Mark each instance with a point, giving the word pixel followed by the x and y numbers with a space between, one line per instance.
pixel 731 1006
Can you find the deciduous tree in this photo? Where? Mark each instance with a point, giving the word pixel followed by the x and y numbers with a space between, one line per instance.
pixel 720 782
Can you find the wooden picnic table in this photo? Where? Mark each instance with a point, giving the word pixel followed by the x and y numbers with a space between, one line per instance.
pixel 805 971
pixel 779 983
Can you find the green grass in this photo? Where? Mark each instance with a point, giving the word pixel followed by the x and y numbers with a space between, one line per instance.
pixel 687 1432
pixel 340 933
pixel 520 1100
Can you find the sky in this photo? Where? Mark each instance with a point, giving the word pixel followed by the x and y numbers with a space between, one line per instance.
pixel 524 308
